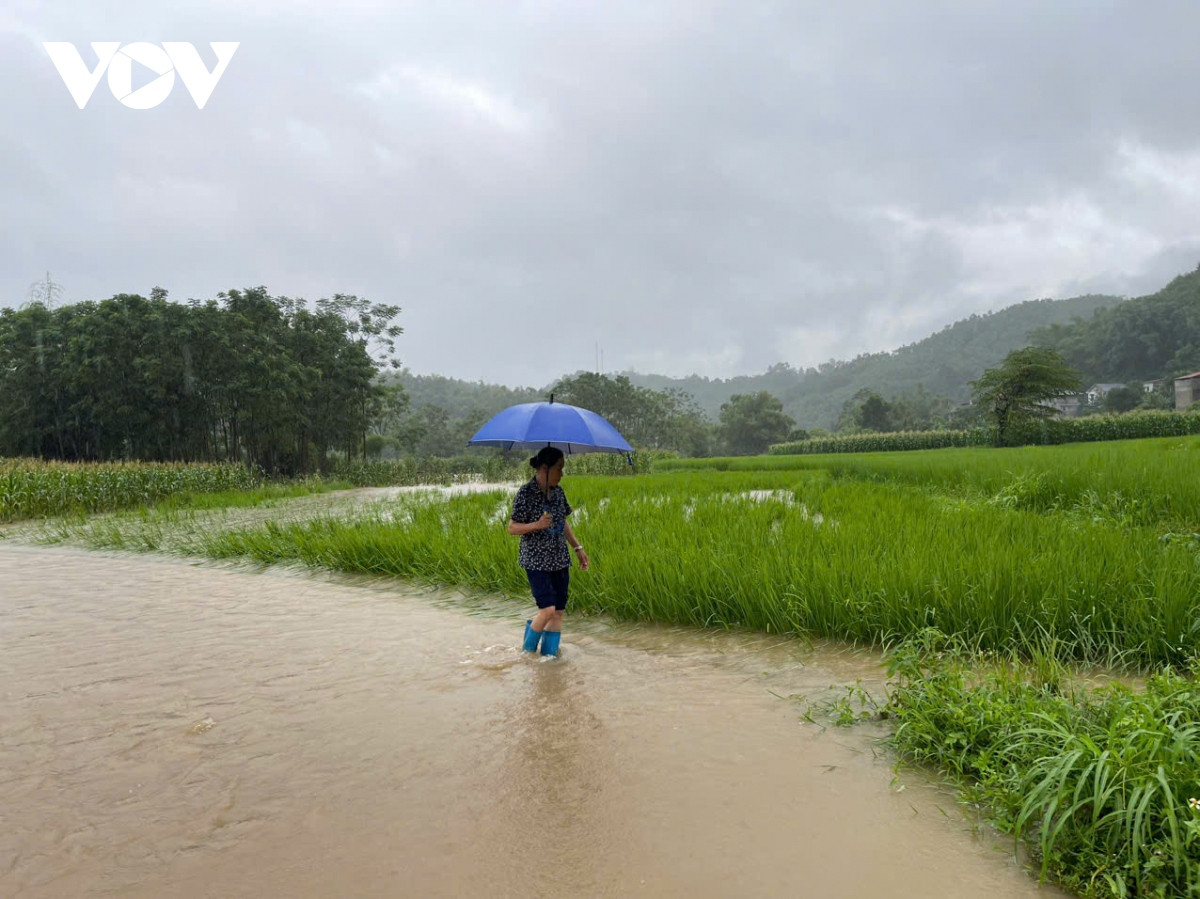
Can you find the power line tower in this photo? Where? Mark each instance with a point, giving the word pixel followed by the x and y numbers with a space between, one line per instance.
pixel 45 292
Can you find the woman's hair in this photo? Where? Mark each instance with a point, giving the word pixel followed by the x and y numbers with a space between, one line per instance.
pixel 548 456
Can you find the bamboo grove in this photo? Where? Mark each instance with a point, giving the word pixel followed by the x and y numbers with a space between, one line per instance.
pixel 246 378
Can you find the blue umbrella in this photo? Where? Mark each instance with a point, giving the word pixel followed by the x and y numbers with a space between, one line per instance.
pixel 534 425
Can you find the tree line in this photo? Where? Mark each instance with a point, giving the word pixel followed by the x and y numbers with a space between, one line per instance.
pixel 649 419
pixel 247 377
pixel 280 385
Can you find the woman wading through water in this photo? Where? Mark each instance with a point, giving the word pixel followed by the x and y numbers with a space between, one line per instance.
pixel 539 518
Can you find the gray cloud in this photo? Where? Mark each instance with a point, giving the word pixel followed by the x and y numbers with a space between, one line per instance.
pixel 695 185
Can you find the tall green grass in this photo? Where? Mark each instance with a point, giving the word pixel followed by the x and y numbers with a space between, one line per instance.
pixel 1104 783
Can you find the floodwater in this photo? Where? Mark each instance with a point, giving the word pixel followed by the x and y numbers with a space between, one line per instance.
pixel 170 728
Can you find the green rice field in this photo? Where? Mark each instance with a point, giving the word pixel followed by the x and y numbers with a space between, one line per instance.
pixel 1090 548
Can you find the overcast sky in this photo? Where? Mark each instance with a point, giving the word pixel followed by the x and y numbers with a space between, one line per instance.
pixel 696 186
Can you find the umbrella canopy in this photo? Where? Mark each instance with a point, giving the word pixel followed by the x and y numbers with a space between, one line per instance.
pixel 534 425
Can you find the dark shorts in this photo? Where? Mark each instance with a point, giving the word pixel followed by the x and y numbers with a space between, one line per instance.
pixel 550 587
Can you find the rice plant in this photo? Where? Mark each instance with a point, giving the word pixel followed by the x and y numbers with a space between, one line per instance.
pixel 1142 482
pixel 792 552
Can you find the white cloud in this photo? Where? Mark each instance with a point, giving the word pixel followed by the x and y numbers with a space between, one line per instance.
pixel 471 100
pixel 1176 173
pixel 699 185
pixel 1039 248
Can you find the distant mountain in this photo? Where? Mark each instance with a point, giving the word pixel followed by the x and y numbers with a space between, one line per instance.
pixel 1154 336
pixel 1109 339
pixel 461 399
pixel 944 363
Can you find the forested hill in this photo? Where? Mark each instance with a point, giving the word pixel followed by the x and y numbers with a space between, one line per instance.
pixel 462 399
pixel 944 363
pixel 1151 337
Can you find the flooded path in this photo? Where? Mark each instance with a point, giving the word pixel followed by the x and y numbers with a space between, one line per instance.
pixel 170 728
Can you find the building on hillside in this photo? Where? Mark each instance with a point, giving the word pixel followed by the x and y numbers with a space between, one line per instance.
pixel 1151 386
pixel 1068 406
pixel 1097 392
pixel 1187 390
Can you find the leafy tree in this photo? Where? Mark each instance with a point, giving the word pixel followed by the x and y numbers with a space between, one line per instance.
pixel 388 409
pixel 1161 397
pixel 648 419
pixel 919 410
pixel 1015 391
pixel 1185 361
pixel 752 422
pixel 873 414
pixel 916 410
pixel 1123 399
pixel 381 447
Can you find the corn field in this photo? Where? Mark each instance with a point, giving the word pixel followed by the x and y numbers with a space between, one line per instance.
pixel 1048 432
pixel 877 443
pixel 31 488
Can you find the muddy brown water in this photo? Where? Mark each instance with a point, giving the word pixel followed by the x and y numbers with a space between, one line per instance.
pixel 178 729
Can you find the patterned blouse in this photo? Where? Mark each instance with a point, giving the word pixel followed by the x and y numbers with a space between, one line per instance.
pixel 542 550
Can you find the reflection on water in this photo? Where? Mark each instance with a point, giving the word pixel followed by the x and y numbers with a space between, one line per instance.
pixel 177 729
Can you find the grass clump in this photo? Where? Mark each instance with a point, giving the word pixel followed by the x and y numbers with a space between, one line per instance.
pixel 1103 784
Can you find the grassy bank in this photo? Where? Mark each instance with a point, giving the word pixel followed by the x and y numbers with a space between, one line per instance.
pixel 1103 784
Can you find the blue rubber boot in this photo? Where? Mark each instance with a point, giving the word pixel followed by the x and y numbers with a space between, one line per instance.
pixel 550 643
pixel 531 637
